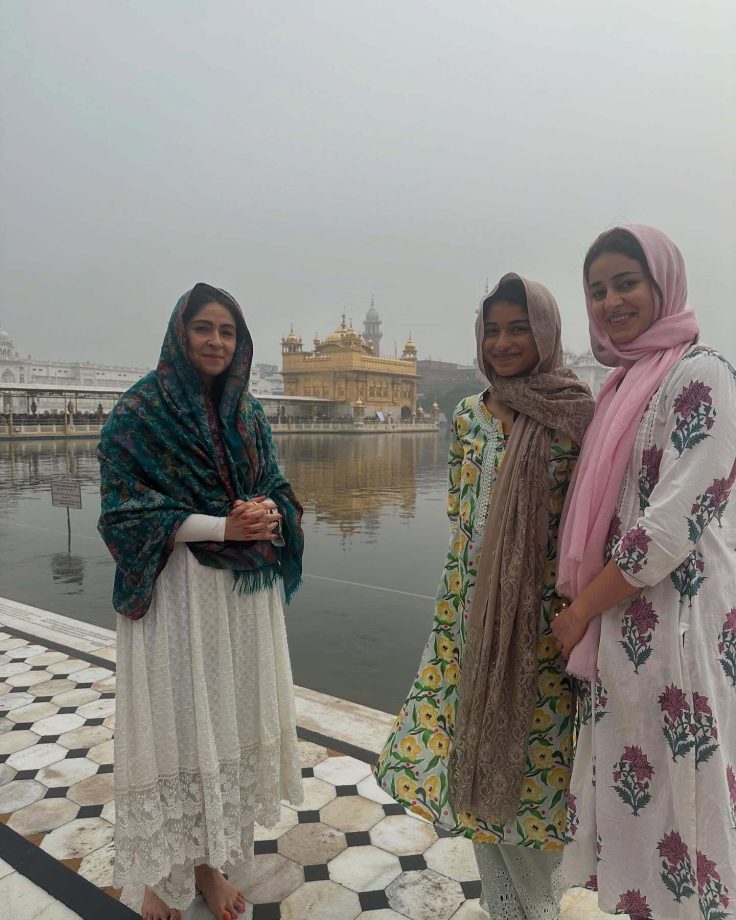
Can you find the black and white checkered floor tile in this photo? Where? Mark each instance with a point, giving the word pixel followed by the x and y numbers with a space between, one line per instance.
pixel 349 851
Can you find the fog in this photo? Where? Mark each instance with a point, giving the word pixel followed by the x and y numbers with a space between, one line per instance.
pixel 308 156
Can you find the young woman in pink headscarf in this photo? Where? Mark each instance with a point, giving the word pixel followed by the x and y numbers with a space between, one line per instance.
pixel 648 558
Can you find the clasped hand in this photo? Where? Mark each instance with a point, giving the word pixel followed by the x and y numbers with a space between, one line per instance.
pixel 256 519
pixel 568 627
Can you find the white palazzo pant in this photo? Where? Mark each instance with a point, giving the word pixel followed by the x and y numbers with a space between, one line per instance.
pixel 519 883
pixel 205 735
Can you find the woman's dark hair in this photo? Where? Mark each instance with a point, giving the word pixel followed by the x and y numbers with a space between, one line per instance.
pixel 624 243
pixel 512 291
pixel 201 295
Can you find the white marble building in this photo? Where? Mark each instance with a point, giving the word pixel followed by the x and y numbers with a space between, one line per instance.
pixel 15 368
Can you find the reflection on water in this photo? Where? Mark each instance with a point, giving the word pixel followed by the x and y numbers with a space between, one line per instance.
pixel 350 482
pixel 68 569
pixel 375 529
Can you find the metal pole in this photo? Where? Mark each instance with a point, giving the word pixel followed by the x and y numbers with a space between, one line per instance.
pixel 68 533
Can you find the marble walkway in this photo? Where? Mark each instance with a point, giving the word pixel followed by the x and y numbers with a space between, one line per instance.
pixel 348 852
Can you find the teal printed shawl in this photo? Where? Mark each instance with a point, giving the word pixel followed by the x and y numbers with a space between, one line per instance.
pixel 167 452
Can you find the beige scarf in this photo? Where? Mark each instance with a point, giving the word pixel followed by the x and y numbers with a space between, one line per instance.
pixel 499 676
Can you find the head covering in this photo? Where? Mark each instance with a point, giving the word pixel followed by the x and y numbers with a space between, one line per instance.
pixel 499 678
pixel 169 450
pixel 641 366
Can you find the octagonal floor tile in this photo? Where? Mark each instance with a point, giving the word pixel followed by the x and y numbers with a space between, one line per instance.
pixel 370 789
pixel 32 712
pixel 67 772
pixel 342 771
pixel 27 679
pixel 68 666
pixel 43 816
pixel 316 794
pixel 91 675
pixel 403 835
pixel 95 790
pixel 364 868
pixel 321 901
pixel 10 642
pixel 97 866
pixel 108 812
pixel 109 722
pixel 351 813
pixel 102 753
pixel 13 701
pixel 46 658
pixel 454 857
pixel 24 650
pixel 54 686
pixel 425 895
pixel 308 844
pixel 5 688
pixel 10 742
pixel 471 910
pixel 9 669
pixel 78 838
pixel 100 709
pixel 288 819
pixel 273 878
pixel 18 793
pixel 86 737
pixel 76 697
pixel 6 773
pixel 105 686
pixel 311 754
pixel 33 758
pixel 58 724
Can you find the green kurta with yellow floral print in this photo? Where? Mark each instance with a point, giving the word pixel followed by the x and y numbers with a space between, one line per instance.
pixel 413 765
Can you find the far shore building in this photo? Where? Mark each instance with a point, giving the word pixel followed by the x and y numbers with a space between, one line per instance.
pixel 345 368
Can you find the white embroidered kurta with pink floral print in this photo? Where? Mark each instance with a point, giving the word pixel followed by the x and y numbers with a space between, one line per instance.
pixel 654 827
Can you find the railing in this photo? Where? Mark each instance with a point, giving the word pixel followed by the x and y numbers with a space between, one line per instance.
pixel 37 429
pixel 47 429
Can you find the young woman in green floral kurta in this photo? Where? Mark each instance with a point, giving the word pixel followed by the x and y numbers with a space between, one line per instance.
pixel 413 767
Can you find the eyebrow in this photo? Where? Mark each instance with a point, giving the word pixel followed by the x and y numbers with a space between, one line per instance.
pixel 630 271
pixel 514 322
pixel 209 322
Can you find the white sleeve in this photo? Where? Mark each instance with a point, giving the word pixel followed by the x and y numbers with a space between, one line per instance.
pixel 201 527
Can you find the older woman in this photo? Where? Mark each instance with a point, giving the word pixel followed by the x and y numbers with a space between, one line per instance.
pixel 204 530
pixel 647 555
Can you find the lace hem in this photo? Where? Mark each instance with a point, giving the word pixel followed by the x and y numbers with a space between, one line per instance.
pixel 190 817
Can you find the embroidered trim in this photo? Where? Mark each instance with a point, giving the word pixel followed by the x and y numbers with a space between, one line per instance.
pixel 489 470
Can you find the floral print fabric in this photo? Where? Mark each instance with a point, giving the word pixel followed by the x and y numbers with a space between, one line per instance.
pixel 413 765
pixel 653 794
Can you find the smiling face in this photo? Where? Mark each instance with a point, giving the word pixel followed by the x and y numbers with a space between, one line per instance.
pixel 508 343
pixel 622 296
pixel 211 340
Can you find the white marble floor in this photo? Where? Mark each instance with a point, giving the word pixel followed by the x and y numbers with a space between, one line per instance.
pixel 348 853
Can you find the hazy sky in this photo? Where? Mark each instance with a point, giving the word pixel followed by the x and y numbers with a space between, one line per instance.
pixel 306 155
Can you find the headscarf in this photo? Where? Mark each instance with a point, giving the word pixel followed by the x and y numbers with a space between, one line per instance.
pixel 499 676
pixel 169 450
pixel 641 366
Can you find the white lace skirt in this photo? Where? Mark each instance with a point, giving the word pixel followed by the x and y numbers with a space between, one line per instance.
pixel 205 731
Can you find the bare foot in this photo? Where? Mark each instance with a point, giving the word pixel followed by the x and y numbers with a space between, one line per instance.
pixel 155 909
pixel 223 899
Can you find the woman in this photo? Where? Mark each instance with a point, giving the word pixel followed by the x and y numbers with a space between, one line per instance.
pixel 647 553
pixel 482 743
pixel 203 529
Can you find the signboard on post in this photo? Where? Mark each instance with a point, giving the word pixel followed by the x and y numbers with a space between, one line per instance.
pixel 66 493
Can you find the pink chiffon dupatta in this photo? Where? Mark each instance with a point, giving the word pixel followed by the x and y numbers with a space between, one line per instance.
pixel 641 366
